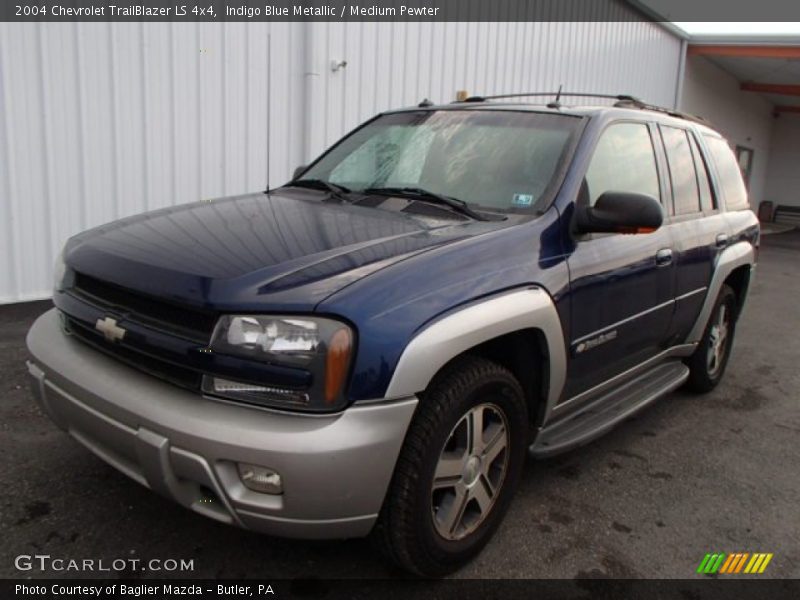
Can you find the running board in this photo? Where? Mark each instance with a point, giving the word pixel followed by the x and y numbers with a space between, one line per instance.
pixel 609 409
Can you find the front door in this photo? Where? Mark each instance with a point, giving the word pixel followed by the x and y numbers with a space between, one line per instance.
pixel 621 285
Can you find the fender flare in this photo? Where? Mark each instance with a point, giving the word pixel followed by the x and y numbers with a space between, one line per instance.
pixel 739 254
pixel 465 328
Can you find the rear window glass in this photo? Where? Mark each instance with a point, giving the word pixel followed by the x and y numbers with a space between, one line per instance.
pixel 730 176
pixel 685 193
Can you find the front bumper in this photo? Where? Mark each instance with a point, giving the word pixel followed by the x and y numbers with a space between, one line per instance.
pixel 335 468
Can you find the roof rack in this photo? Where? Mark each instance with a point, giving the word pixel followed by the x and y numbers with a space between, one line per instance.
pixel 622 101
pixel 667 111
pixel 556 95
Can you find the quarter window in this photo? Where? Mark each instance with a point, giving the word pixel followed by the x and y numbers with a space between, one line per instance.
pixel 730 177
pixel 744 157
pixel 623 162
pixel 685 192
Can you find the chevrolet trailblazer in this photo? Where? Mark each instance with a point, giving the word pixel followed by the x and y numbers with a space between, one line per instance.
pixel 375 347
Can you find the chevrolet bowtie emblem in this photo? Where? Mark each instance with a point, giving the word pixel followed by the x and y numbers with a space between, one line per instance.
pixel 110 330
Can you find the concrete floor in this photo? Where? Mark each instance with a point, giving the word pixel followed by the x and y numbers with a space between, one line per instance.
pixel 690 475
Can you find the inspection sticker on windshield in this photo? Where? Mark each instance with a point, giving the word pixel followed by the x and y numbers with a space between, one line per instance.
pixel 522 200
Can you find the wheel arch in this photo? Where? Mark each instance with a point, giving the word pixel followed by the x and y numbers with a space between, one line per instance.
pixel 734 265
pixel 739 281
pixel 526 355
pixel 519 329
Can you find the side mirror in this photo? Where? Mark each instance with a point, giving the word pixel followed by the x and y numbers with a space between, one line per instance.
pixel 299 171
pixel 621 212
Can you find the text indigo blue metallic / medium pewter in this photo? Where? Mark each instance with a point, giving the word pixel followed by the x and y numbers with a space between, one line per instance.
pixel 375 346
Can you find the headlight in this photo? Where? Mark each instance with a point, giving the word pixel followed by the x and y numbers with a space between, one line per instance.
pixel 318 345
pixel 59 271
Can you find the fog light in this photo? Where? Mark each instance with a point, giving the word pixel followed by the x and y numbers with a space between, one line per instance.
pixel 266 395
pixel 260 479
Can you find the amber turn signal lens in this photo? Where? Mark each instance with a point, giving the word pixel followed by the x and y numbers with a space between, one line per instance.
pixel 630 230
pixel 336 364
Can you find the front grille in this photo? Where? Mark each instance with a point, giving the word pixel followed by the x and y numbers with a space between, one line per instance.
pixel 167 371
pixel 191 323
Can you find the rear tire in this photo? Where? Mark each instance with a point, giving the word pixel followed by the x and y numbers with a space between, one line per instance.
pixel 450 488
pixel 707 364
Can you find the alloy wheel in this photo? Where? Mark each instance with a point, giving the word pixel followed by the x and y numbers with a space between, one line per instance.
pixel 470 472
pixel 717 343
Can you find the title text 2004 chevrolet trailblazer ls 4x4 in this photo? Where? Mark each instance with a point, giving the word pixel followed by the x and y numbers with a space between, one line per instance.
pixel 374 347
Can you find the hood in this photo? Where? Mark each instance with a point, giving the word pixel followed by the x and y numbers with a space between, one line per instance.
pixel 288 250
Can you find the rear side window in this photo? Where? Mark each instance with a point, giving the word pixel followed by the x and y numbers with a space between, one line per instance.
pixel 623 162
pixel 730 176
pixel 704 183
pixel 685 192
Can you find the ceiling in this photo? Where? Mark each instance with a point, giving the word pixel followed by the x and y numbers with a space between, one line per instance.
pixel 759 68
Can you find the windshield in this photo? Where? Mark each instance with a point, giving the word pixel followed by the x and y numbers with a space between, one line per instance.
pixel 499 160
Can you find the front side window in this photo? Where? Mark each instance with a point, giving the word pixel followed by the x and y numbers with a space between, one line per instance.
pixel 500 160
pixel 685 193
pixel 623 161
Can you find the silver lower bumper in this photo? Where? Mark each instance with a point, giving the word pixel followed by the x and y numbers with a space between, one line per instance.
pixel 335 468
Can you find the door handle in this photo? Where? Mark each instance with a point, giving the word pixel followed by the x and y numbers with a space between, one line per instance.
pixel 722 240
pixel 664 257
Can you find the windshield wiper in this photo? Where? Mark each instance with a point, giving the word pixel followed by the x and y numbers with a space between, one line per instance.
pixel 428 196
pixel 336 191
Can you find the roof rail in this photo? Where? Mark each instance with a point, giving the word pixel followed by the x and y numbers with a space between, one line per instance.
pixel 667 111
pixel 556 95
pixel 622 101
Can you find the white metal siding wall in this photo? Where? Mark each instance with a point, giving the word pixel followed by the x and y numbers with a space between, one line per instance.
pixel 103 120
pixel 100 121
pixel 392 65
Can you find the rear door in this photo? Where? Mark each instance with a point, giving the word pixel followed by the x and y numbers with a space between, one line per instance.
pixel 622 286
pixel 699 230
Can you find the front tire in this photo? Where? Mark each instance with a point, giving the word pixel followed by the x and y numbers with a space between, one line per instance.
pixel 458 469
pixel 707 364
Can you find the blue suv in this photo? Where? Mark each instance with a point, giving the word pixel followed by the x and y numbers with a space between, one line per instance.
pixel 376 346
